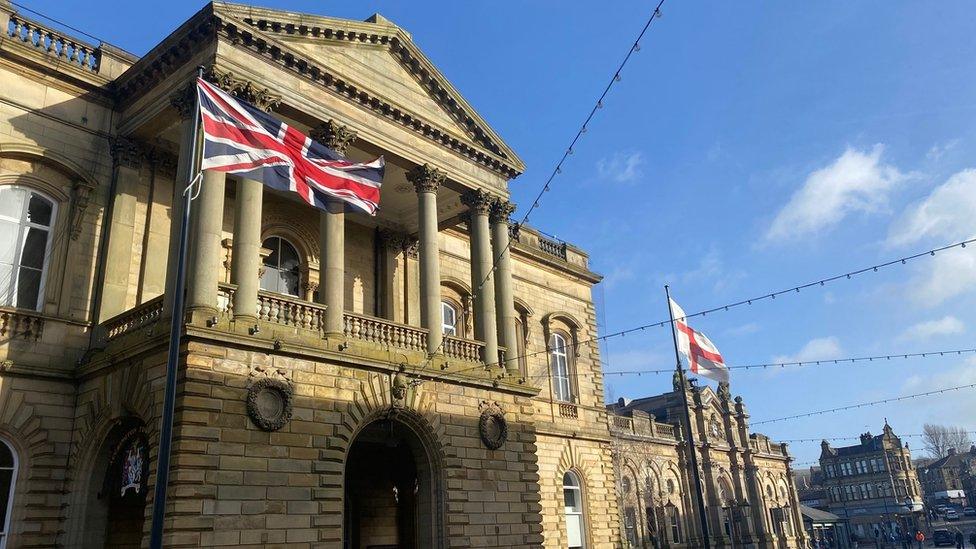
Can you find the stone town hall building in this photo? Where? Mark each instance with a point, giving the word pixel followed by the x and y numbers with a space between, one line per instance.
pixel 333 388
pixel 339 380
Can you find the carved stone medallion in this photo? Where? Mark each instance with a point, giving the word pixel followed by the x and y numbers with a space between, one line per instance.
pixel 493 427
pixel 269 403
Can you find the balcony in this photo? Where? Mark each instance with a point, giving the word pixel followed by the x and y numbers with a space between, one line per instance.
pixel 303 320
pixel 641 425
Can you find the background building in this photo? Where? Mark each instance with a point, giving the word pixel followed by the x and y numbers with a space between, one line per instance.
pixel 343 380
pixel 749 493
pixel 873 484
pixel 950 479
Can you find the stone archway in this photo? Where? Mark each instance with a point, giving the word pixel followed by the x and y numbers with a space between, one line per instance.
pixel 390 489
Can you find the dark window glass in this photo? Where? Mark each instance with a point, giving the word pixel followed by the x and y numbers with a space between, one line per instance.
pixel 39 210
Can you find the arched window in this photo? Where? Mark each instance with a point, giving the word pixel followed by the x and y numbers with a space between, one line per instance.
pixel 449 318
pixel 8 475
pixel 26 220
pixel 559 354
pixel 573 498
pixel 674 521
pixel 281 268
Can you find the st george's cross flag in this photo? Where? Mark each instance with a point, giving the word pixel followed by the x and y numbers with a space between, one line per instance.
pixel 239 138
pixel 702 355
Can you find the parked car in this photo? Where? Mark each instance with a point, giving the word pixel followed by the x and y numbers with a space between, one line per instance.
pixel 969 511
pixel 940 509
pixel 942 537
pixel 952 514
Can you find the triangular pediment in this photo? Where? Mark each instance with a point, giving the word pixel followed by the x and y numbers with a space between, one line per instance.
pixel 379 58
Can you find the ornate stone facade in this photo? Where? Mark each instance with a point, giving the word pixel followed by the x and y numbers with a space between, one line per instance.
pixel 329 405
pixel 748 489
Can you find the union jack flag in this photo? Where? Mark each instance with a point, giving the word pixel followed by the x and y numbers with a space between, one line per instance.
pixel 241 139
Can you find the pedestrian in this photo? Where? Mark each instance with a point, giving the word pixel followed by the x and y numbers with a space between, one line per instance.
pixel 960 542
pixel 972 539
pixel 854 540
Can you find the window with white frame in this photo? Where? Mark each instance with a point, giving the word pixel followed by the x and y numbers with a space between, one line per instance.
pixel 559 353
pixel 573 500
pixel 8 476
pixel 26 222
pixel 281 267
pixel 449 319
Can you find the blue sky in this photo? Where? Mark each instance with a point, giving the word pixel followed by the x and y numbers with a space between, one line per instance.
pixel 748 147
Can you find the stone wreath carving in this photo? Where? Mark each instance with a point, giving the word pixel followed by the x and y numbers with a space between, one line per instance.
pixel 493 427
pixel 269 403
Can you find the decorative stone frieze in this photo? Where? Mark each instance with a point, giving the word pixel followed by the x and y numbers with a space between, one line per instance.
pixel 244 90
pixel 426 178
pixel 478 201
pixel 333 135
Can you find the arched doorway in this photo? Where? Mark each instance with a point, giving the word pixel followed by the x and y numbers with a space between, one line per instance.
pixel 116 499
pixel 390 493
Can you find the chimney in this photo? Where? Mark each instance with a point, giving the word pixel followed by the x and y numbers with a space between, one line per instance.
pixel 866 437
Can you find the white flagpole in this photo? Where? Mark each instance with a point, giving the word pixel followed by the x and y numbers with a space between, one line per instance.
pixel 696 476
pixel 175 335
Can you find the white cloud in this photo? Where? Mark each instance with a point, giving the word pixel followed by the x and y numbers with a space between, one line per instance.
pixel 711 269
pixel 622 167
pixel 945 216
pixel 940 149
pixel 821 348
pixel 949 274
pixel 743 330
pixel 619 274
pixel 947 213
pixel 947 325
pixel 857 181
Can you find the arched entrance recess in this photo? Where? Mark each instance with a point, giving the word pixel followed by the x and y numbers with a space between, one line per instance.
pixel 116 505
pixel 391 493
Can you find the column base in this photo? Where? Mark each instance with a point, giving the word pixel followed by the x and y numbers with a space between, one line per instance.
pixel 202 316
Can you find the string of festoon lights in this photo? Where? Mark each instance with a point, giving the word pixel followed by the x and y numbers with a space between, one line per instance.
pixel 769 296
pixel 841 439
pixel 867 404
pixel 558 169
pixel 801 363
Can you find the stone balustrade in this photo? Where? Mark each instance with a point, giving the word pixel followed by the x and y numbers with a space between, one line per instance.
pixel 552 247
pixel 21 324
pixel 54 43
pixel 462 349
pixel 641 424
pixel 279 309
pixel 134 319
pixel 384 332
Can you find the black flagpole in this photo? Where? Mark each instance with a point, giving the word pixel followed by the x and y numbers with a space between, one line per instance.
pixel 696 477
pixel 175 333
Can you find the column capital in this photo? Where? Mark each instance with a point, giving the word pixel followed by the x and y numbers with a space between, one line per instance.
pixel 126 152
pixel 184 100
pixel 244 90
pixel 333 135
pixel 478 201
pixel 501 210
pixel 397 241
pixel 426 178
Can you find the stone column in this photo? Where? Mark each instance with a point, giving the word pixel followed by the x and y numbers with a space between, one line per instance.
pixel 427 179
pixel 332 269
pixel 482 276
pixel 332 223
pixel 504 293
pixel 206 254
pixel 126 158
pixel 392 246
pixel 246 255
pixel 184 101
